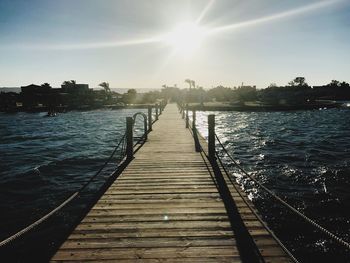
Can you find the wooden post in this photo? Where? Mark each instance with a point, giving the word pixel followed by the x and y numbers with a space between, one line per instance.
pixel 156 112
pixel 160 108
pixel 183 113
pixel 145 127
pixel 149 118
pixel 187 121
pixel 129 138
pixel 194 132
pixel 211 136
pixel 194 120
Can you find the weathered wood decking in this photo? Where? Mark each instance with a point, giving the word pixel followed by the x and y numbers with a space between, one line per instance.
pixel 165 207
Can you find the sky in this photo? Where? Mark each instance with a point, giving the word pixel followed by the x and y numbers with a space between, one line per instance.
pixel 145 44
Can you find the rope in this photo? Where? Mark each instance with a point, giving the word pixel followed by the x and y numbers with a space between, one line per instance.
pixel 74 195
pixel 63 204
pixel 233 184
pixel 291 208
pixel 255 213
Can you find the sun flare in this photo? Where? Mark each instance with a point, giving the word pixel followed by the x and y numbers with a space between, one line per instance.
pixel 186 38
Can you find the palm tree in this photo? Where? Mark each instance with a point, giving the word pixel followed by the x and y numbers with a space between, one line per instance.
pixel 193 83
pixel 189 82
pixel 105 86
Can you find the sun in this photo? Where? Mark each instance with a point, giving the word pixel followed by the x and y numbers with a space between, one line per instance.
pixel 186 38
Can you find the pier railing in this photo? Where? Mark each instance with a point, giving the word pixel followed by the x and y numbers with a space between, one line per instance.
pixel 124 149
pixel 215 159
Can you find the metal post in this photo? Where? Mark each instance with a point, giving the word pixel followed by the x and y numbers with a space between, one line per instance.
pixel 149 118
pixel 187 121
pixel 129 138
pixel 156 106
pixel 211 136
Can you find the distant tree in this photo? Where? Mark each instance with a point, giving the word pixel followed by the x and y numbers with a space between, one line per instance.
pixel 189 82
pixel 171 93
pixel 298 82
pixel 132 91
pixel 150 97
pixel 130 96
pixel 69 82
pixel 46 85
pixel 335 90
pixel 246 93
pixel 345 85
pixel 334 83
pixel 272 85
pixel 105 86
pixel 193 83
pixel 221 93
pixel 106 89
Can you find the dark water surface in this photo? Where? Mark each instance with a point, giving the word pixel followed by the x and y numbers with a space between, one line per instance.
pixel 43 160
pixel 303 156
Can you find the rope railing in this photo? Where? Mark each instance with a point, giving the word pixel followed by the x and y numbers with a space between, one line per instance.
pixel 67 201
pixel 122 146
pixel 328 233
pixel 284 203
pixel 248 249
pixel 254 212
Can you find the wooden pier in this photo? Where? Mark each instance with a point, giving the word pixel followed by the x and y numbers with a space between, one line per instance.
pixel 166 207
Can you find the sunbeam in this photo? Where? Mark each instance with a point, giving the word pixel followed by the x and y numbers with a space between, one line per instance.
pixel 282 15
pixel 205 11
pixel 186 36
pixel 97 45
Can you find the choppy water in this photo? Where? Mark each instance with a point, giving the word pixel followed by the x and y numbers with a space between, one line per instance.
pixel 303 156
pixel 43 160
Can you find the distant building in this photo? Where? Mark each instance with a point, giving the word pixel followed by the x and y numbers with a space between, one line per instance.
pixel 35 89
pixel 43 95
pixel 9 101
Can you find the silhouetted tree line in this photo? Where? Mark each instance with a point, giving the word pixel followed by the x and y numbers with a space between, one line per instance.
pixel 73 95
pixel 296 91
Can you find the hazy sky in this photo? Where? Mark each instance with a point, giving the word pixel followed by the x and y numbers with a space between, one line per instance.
pixel 144 44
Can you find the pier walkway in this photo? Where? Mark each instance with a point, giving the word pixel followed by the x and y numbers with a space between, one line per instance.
pixel 166 207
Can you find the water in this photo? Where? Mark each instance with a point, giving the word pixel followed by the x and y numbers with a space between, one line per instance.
pixel 303 156
pixel 43 160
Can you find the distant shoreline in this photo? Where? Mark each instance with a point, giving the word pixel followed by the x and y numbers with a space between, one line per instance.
pixel 61 109
pixel 254 106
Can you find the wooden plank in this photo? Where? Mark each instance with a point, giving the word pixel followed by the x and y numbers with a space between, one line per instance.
pixel 140 253
pixel 146 233
pixel 165 207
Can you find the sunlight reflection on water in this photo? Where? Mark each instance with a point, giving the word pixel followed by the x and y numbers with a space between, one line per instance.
pixel 303 156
